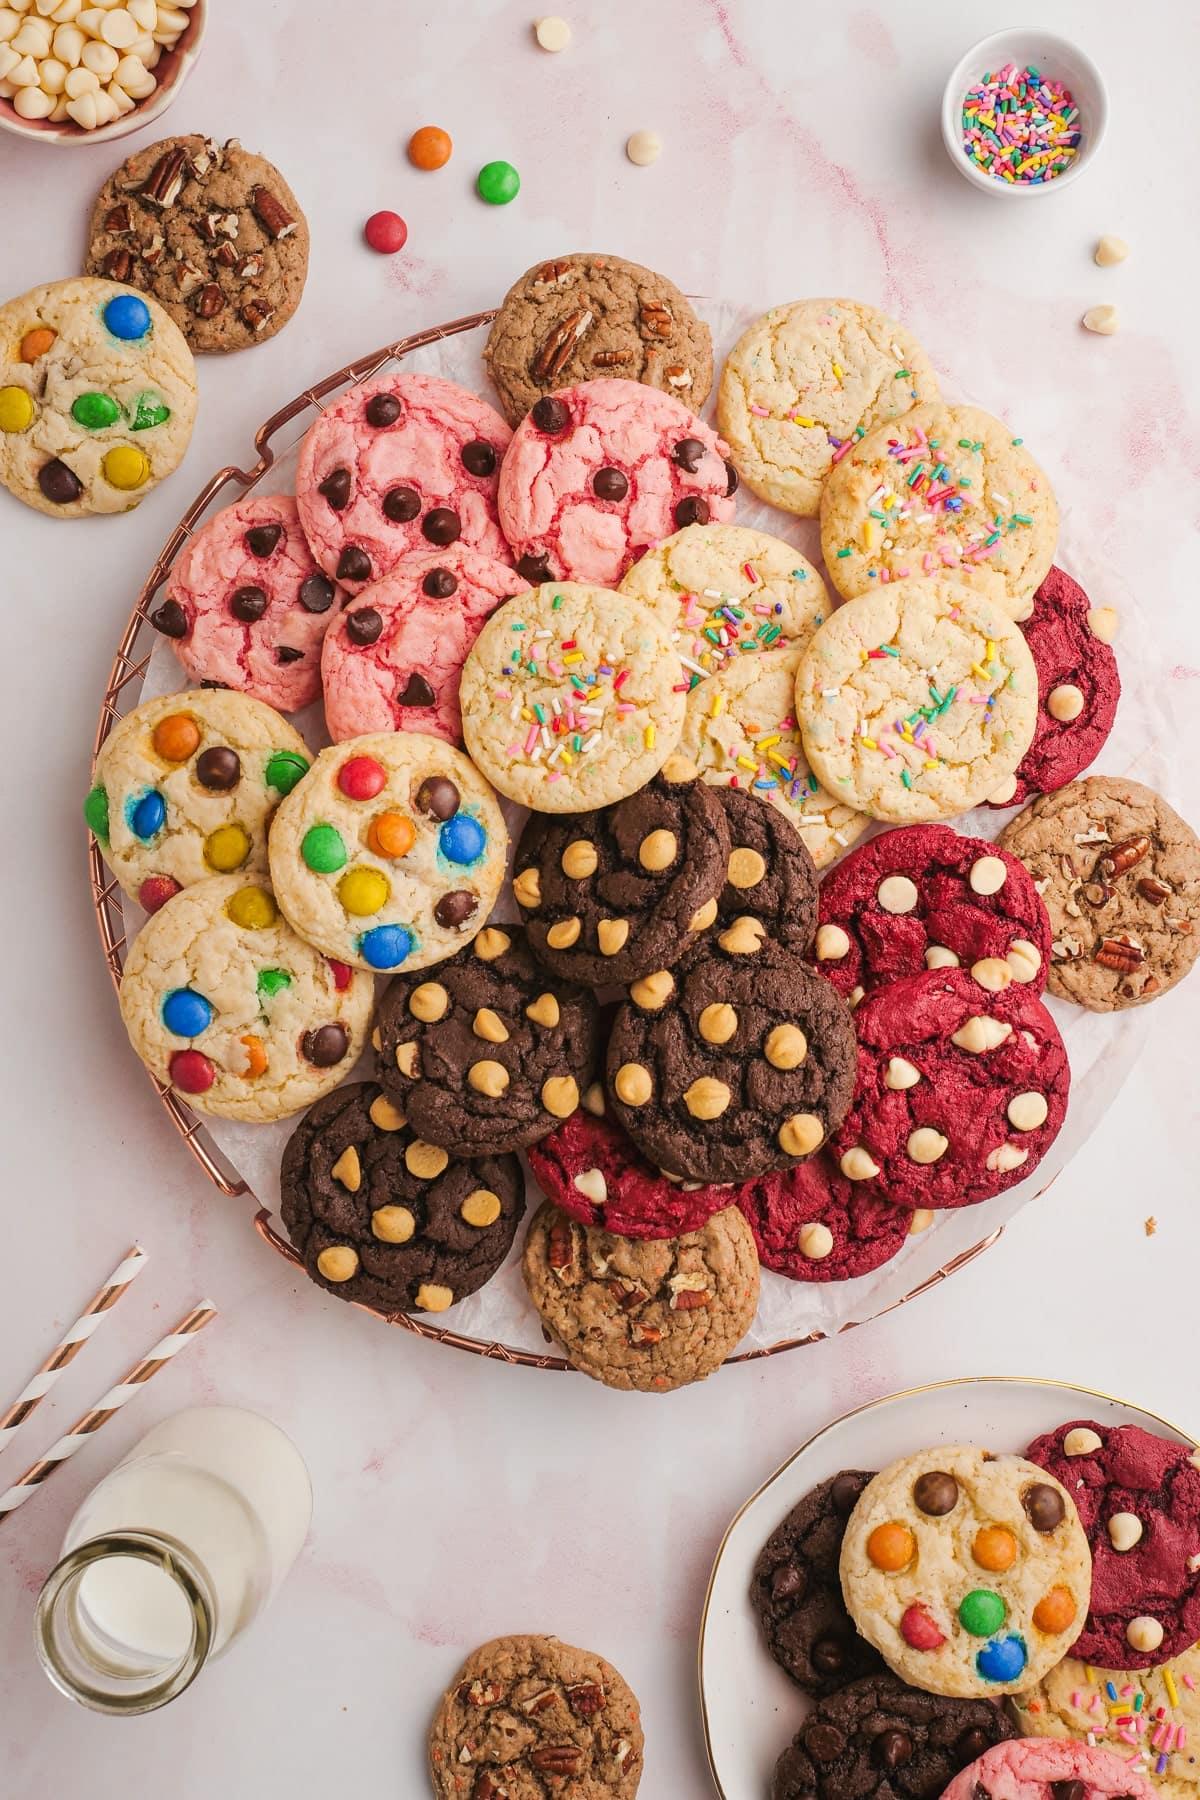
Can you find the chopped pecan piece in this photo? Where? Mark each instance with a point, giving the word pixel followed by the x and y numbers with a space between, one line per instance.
pixel 654 319
pixel 274 217
pixel 118 264
pixel 561 1249
pixel 481 1693
pixel 557 1759
pixel 628 1294
pixel 688 1292
pixel 1153 890
pixel 585 1698
pixel 554 275
pixel 554 352
pixel 677 375
pixel 152 252
pixel 256 314
pixel 1119 953
pixel 209 301
pixel 537 1703
pixel 225 256
pixel 1096 893
pixel 645 1335
pixel 1123 856
pixel 161 187
pixel 611 359
pixel 119 217
pixel 488 1788
pixel 250 266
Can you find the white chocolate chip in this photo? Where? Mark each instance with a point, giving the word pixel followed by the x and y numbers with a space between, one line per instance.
pixel 1102 320
pixel 1081 1442
pixel 938 957
pixel 926 1145
pixel 24 73
pixel 1144 1633
pixel 52 75
pixel 1005 1158
pixel 921 1220
pixel 987 875
pixel 1110 250
pixel 815 1241
pixel 643 148
pixel 1065 702
pixel 832 944
pixel 900 1074
pixel 981 1033
pixel 858 1164
pixel 552 34
pixel 1124 1530
pixel 897 894
pixel 32 103
pixel 1102 623
pixel 592 1185
pixel 1024 959
pixel 1027 1111
pixel 80 82
pixel 855 997
pixel 119 29
pixel 1005 792
pixel 992 974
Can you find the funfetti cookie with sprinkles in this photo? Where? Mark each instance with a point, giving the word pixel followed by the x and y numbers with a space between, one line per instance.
pixel 804 383
pixel 1151 1717
pixel 947 490
pixel 917 700
pixel 572 697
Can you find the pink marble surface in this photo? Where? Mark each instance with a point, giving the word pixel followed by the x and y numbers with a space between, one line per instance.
pixel 457 1498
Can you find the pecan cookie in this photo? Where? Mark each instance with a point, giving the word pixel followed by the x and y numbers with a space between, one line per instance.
pixel 651 1315
pixel 526 1715
pixel 487 1052
pixel 212 231
pixel 382 1217
pixel 611 895
pixel 797 1592
pixel 582 316
pixel 1119 872
pixel 770 875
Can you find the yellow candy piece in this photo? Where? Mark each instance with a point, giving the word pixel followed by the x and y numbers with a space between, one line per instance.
pixel 253 908
pixel 16 409
pixel 126 467
pixel 226 849
pixel 363 891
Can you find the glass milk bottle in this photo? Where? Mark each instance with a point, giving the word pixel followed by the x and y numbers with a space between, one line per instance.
pixel 171 1557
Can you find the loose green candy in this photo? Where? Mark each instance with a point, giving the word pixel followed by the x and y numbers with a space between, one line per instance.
pixel 149 410
pixel 95 411
pixel 323 849
pixel 981 1612
pixel 284 770
pixel 95 812
pixel 498 183
pixel 271 981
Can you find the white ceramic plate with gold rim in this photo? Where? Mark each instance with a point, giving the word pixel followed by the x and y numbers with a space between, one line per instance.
pixel 749 1707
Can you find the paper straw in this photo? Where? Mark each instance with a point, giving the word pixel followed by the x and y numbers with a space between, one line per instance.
pixel 71 1343
pixel 112 1402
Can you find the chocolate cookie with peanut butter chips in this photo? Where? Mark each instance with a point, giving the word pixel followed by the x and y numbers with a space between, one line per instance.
pixel 1119 872
pixel 486 1052
pixel 770 874
pixel 212 231
pixel 613 894
pixel 382 1217
pixel 796 1591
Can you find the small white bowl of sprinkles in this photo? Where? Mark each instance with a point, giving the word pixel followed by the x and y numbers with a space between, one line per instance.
pixel 1024 113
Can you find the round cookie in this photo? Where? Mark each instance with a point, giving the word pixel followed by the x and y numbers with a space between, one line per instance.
pixel 915 701
pixel 797 1593
pixel 246 606
pixel 961 1089
pixel 391 852
pixel 571 697
pixel 738 1062
pixel 185 786
pixel 968 1571
pixel 1119 872
pixel 598 472
pixel 803 382
pixel 725 592
pixel 397 464
pixel 811 1224
pixel 770 874
pixel 212 231
pixel 581 317
pixel 524 1714
pixel 1138 1498
pixel 489 1053
pixel 923 897
pixel 740 728
pixel 651 1315
pixel 1156 1710
pixel 394 661
pixel 225 1004
pixel 97 397
pixel 881 1740
pixel 1078 690
pixel 945 490
pixel 612 895
pixel 1031 1769
pixel 382 1218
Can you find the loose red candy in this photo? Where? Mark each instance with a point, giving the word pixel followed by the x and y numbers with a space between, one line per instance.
pixel 361 778
pixel 341 974
pixel 917 1628
pixel 386 232
pixel 156 890
pixel 191 1072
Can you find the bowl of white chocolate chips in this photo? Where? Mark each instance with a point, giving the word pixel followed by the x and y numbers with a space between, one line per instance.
pixel 74 73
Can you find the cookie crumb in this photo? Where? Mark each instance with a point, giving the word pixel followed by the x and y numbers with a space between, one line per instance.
pixel 1150 1225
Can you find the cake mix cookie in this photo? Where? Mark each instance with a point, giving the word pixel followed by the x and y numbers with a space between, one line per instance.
pixel 968 1571
pixel 393 662
pixel 488 1053
pixel 524 1715
pixel 1138 1498
pixel 740 729
pixel 961 1088
pixel 812 1224
pixel 598 472
pixel 803 382
pixel 611 895
pixel 212 231
pixel 770 874
pixel 97 397
pixel 380 1217
pixel 225 1004
pixel 652 1315
pixel 916 701
pixel 1029 1769
pixel 572 697
pixel 583 316
pixel 1119 872
pixel 924 898
pixel 391 852
pixel 797 1592
pixel 739 1061
pixel 246 606
pixel 400 463
pixel 726 592
pixel 881 1740
pixel 594 1171
pixel 947 490
pixel 1154 1711
pixel 185 786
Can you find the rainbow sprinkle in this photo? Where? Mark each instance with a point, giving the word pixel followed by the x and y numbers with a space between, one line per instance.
pixel 1020 126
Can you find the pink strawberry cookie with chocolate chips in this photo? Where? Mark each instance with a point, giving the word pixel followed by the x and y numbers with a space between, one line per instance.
pixel 1049 1769
pixel 393 660
pixel 811 1224
pixel 247 607
pixel 597 473
pixel 397 464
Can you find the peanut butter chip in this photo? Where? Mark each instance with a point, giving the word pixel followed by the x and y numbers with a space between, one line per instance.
pixel 858 1164
pixel 987 875
pixel 897 894
pixel 927 1145
pixel 338 1263
pixel 611 935
pixel 744 937
pixel 703 917
pixel 800 1135
pixel 425 1160
pixel 543 1011
pixel 376 1038
pixel 593 1100
pixel 406 1059
pixel 489 1026
pixel 718 1023
pixel 384 1116
pixel 429 1002
pixel 992 974
pixel 481 1209
pixel 579 859
pixel 900 1074
pixel 527 889
pixel 393 1224
pixel 1081 1442
pixel 815 1241
pixel 658 850
pixel 1024 959
pixel 786 1047
pixel 633 1084
pixel 707 1098
pixel 653 991
pixel 746 867
pixel 348 1170
pixel 431 1297
pixel 832 944
pixel 679 768
pixel 938 957
pixel 1065 702
pixel 491 943
pixel 564 934
pixel 1027 1111
pixel 560 1095
pixel 487 1077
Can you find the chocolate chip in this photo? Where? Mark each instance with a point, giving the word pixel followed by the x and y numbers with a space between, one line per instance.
pixel 400 504
pixel 438 796
pixel 892 1749
pixel 170 619
pixel 59 484
pixel 534 569
pixel 550 415
pixel 936 1493
pixel 325 1046
pixel 441 526
pixel 382 409
pixel 247 604
pixel 609 484
pixel 829 1656
pixel 219 769
pixel 455 908
pixel 363 626
pixel 788 1583
pixel 439 584
pixel 417 692
pixel 336 489
pixel 979 1792
pixel 478 457
pixel 1044 1506
pixel 316 594
pixel 971 1745
pixel 354 564
pixel 285 654
pixel 844 1493
pixel 1068 1790
pixel 688 453
pixel 823 1742
pixel 262 539
pixel 691 510
pixel 731 479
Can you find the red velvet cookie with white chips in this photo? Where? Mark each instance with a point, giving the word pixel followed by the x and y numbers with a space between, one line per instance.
pixel 811 1224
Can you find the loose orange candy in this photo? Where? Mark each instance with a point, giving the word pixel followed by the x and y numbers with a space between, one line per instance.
pixel 430 148
pixel 35 343
pixel 891 1547
pixel 391 834
pixel 256 1055
pixel 994 1548
pixel 175 737
pixel 1055 1610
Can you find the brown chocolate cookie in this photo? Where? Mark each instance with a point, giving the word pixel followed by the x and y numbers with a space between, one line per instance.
pixel 583 316
pixel 486 1052
pixel 613 894
pixel 771 874
pixel 1119 872
pixel 653 1314
pixel 797 1592
pixel 527 1717
pixel 739 1061
pixel 383 1217
pixel 213 232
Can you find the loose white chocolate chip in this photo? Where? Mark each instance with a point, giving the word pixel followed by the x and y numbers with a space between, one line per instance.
pixel 429 1002
pixel 815 1242
pixel 900 1074
pixel 921 1220
pixel 855 997
pixel 552 34
pixel 1102 623
pixel 579 859
pixel 897 894
pixel 1005 1158
pixel 564 934
pixel 1024 959
pixel 980 1034
pixel 992 974
pixel 1081 1442
pixel 481 1208
pixel 653 991
pixel 489 1026
pixel 1110 250
pixel 527 889
pixel 987 875
pixel 1027 1111
pixel 801 1134
pixel 926 1145
pixel 703 917
pixel 393 1224
pixel 593 1100
pixel 612 935
pixel 1065 702
pixel 1103 320
pixel 707 1098
pixel 560 1095
pixel 643 148
pixel 1144 1633
pixel 832 944
pixel 938 957
pixel 858 1164
pixel 592 1185
pixel 338 1263
pixel 1124 1530
pixel 658 850
pixel 1005 792
pixel 718 1023
pixel 786 1047
pixel 632 1084
pixel 348 1169
pixel 746 867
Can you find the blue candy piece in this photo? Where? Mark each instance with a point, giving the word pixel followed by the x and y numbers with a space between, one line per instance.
pixel 127 317
pixel 186 1013
pixel 146 815
pixel 462 839
pixel 386 946
pixel 1003 1659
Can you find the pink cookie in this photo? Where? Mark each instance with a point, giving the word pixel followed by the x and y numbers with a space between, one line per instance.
pixel 398 464
pixel 599 472
pixel 393 661
pixel 248 607
pixel 1048 1769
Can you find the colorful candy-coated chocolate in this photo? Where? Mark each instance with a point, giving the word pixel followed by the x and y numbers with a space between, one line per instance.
pixel 284 769
pixel 126 316
pixel 156 890
pixel 325 1046
pixel 227 848
pixel 981 1612
pixel 126 467
pixel 364 891
pixel 430 148
pixel 36 342
pixel 995 1548
pixel 175 737
pixel 391 834
pixel 148 410
pixel 95 813
pixel 891 1547
pixel 498 183
pixel 361 778
pixel 256 1054
pixel 146 816
pixel 386 232
pixel 273 981
pixel 1002 1659
pixel 191 1072
pixel 95 411
pixel 1055 1611
pixel 16 409
pixel 462 839
pixel 342 974
pixel 59 482
pixel 253 908
pixel 323 849
pixel 386 946
pixel 186 1013
pixel 919 1630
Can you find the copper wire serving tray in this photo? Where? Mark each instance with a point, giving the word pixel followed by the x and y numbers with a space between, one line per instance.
pixel 122 693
